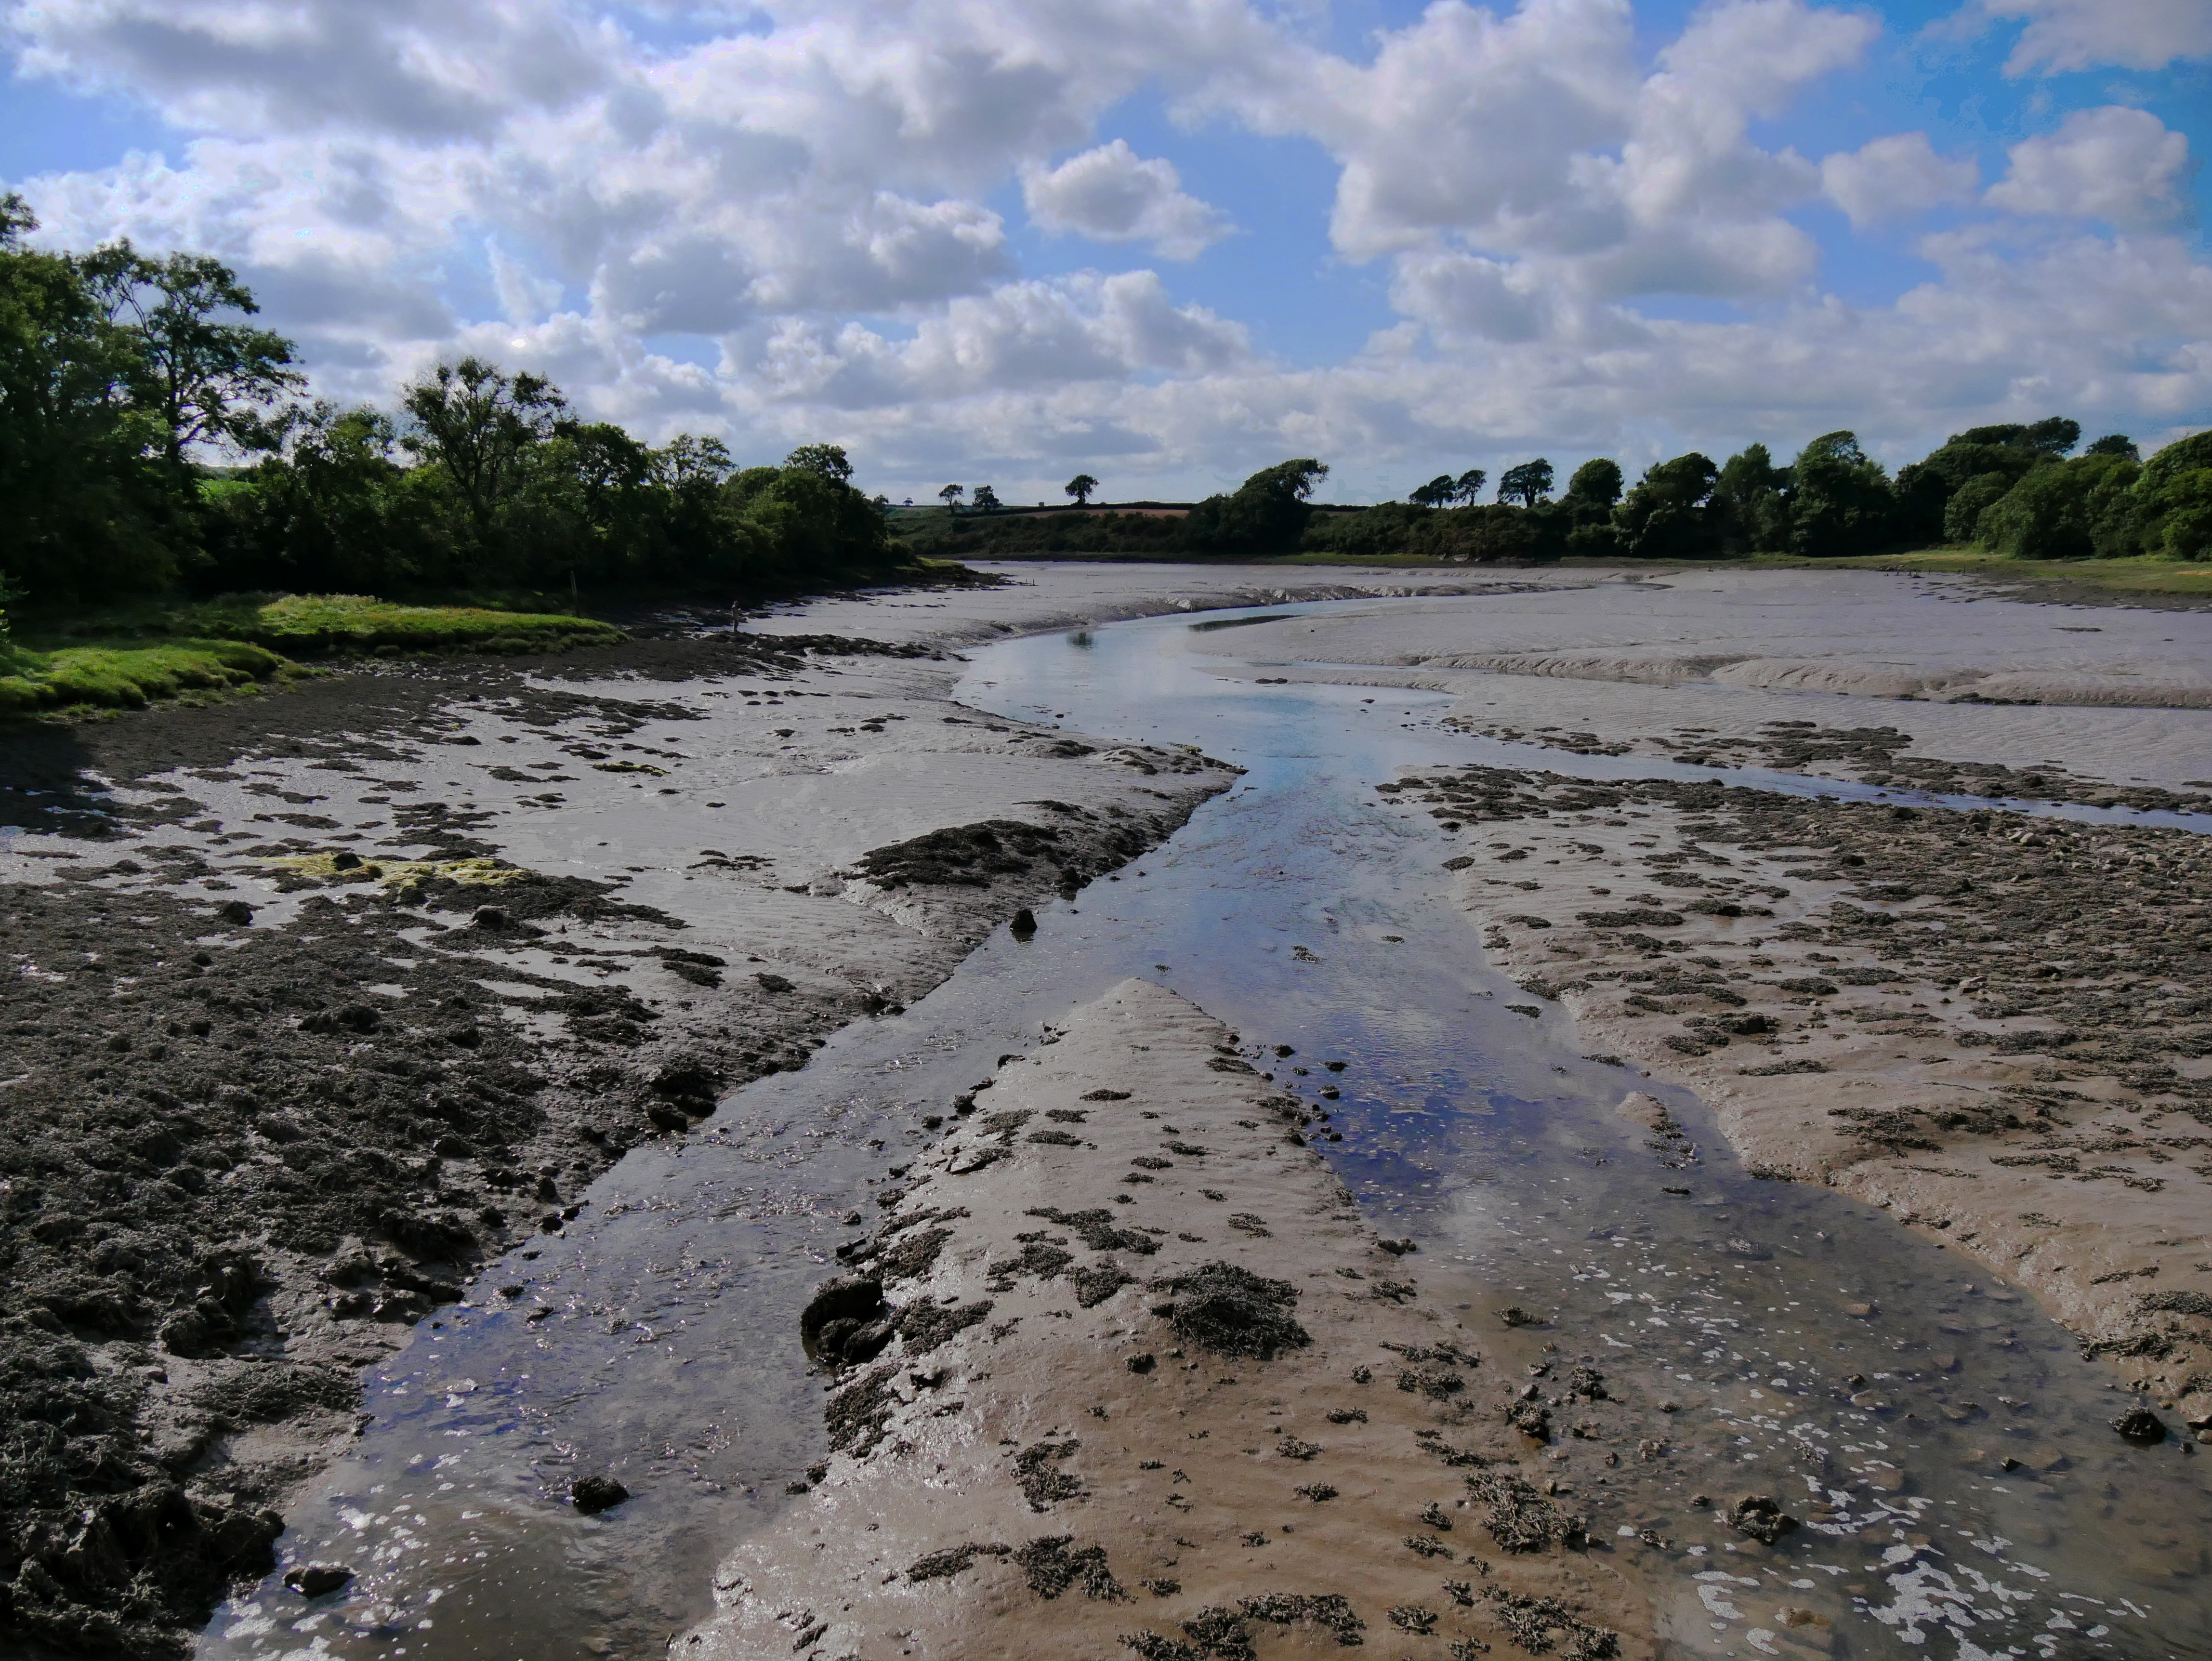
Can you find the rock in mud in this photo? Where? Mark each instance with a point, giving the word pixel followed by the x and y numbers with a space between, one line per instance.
pixel 313 1580
pixel 593 1494
pixel 2141 1426
pixel 1761 1517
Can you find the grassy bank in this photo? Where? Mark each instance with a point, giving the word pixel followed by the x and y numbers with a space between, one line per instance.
pixel 126 658
pixel 125 676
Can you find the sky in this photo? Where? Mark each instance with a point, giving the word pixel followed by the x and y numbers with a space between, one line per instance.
pixel 1167 242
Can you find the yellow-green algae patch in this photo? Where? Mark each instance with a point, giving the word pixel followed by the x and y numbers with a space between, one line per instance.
pixel 403 874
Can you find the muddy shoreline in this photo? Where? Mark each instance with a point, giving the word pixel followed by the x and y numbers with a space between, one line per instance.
pixel 497 923
pixel 1920 1007
pixel 300 1035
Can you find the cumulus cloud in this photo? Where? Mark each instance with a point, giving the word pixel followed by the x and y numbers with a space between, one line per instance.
pixel 2119 165
pixel 2080 35
pixel 1896 177
pixel 1111 195
pixel 785 232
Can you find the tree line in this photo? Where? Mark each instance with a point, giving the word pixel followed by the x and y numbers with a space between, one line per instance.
pixel 2017 490
pixel 120 373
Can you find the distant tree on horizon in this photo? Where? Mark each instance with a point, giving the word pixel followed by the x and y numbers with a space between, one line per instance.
pixel 1081 487
pixel 1528 483
pixel 950 495
pixel 985 501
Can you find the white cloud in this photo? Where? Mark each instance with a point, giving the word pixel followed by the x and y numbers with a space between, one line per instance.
pixel 1895 177
pixel 801 208
pixel 2119 165
pixel 2080 35
pixel 1110 194
pixel 1083 327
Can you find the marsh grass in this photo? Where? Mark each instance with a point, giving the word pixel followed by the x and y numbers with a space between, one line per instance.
pixel 318 625
pixel 126 658
pixel 129 677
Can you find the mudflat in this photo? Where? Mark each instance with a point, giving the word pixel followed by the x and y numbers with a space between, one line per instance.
pixel 322 1001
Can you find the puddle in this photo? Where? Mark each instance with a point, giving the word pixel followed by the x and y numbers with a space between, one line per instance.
pixel 656 1340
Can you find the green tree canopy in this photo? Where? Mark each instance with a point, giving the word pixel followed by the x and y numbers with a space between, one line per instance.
pixel 1528 483
pixel 1081 487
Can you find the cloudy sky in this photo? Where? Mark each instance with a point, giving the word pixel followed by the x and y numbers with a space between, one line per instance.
pixel 1167 241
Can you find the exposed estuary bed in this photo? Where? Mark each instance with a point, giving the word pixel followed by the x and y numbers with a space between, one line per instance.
pixel 1945 1447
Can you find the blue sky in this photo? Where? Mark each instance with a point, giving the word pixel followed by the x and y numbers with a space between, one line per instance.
pixel 1169 243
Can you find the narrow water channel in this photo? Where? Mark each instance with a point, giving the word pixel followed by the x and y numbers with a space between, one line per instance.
pixel 1304 912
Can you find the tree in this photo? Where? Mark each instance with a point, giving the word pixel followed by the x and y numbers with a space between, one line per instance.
pixel 986 499
pixel 950 495
pixel 83 513
pixel 1749 511
pixel 1437 492
pixel 208 380
pixel 1663 517
pixel 1466 489
pixel 478 426
pixel 2114 444
pixel 1267 514
pixel 2056 513
pixel 1081 487
pixel 1840 500
pixel 827 459
pixel 1597 481
pixel 1528 483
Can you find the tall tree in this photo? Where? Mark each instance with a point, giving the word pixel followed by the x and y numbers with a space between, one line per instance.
pixel 1528 483
pixel 1437 492
pixel 950 495
pixel 480 425
pixel 827 459
pixel 1081 487
pixel 209 377
pixel 1466 489
pixel 81 511
pixel 986 499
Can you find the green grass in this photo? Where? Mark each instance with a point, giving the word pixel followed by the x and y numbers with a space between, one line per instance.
pixel 125 658
pixel 131 677
pixel 317 625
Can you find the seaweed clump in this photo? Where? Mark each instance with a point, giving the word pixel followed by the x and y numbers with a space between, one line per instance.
pixel 1227 1310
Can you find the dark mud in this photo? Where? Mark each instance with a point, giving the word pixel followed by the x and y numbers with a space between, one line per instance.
pixel 1870 755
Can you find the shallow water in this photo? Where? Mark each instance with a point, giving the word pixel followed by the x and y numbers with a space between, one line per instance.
pixel 1301 910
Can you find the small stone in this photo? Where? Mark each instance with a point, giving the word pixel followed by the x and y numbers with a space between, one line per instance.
pixel 1024 924
pixel 2141 1426
pixel 346 861
pixel 234 911
pixel 313 1580
pixel 593 1494
pixel 489 917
